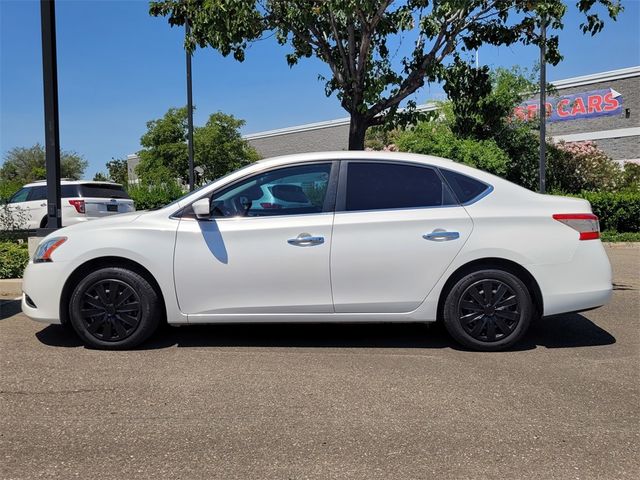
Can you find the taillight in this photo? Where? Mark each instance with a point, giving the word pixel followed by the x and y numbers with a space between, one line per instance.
pixel 270 205
pixel 586 224
pixel 78 204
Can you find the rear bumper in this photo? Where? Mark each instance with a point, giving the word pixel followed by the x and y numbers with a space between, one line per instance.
pixel 582 283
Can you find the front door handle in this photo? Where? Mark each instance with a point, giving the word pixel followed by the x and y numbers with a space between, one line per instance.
pixel 305 240
pixel 441 236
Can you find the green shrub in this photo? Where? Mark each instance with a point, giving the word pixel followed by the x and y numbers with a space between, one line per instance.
pixel 631 177
pixel 147 197
pixel 617 211
pixel 13 259
pixel 433 138
pixel 611 236
pixel 8 188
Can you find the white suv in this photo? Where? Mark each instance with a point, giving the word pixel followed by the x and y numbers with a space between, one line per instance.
pixel 81 201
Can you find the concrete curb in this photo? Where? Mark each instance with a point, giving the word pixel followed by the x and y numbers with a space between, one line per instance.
pixel 630 245
pixel 11 288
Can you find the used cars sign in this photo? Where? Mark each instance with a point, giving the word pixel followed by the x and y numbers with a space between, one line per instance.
pixel 596 103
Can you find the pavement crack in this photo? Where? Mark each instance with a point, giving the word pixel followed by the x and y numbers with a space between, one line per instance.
pixel 56 392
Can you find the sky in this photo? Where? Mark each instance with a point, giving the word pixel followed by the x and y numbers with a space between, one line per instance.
pixel 118 68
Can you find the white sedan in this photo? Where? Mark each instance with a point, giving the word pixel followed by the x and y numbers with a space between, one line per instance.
pixel 380 237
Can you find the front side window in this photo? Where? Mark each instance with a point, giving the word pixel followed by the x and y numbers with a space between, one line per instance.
pixel 381 186
pixel 286 191
pixel 20 196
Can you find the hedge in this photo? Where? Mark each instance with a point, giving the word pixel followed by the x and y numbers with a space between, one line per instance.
pixel 13 259
pixel 147 197
pixel 617 211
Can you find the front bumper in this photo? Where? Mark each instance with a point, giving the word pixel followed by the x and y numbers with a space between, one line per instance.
pixel 43 283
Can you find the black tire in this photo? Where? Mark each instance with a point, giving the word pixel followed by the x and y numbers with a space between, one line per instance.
pixel 114 309
pixel 488 310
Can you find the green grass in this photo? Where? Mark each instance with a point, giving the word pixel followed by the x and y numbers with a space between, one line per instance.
pixel 613 236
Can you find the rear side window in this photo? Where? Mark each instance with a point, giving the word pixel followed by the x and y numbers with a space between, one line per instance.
pixel 71 191
pixel 381 186
pixel 102 190
pixel 38 193
pixel 465 188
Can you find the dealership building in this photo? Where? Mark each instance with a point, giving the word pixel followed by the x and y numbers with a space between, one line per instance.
pixel 602 107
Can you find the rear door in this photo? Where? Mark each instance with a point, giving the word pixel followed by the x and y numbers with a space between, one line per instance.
pixel 397 228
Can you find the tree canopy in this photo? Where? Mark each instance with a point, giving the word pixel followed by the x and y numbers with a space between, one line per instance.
pixel 23 165
pixel 218 147
pixel 360 40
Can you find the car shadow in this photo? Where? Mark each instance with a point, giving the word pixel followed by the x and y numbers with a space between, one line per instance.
pixel 9 308
pixel 563 331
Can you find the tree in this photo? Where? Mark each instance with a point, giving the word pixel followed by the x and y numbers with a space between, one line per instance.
pixel 100 177
pixel 164 155
pixel 218 147
pixel 118 171
pixel 480 107
pixel 23 165
pixel 357 40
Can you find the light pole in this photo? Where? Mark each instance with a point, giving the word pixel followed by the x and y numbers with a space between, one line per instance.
pixel 51 125
pixel 189 112
pixel 543 103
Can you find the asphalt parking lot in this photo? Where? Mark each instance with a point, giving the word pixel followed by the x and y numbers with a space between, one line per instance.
pixel 327 401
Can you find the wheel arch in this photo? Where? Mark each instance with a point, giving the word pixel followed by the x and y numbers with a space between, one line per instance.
pixel 499 263
pixel 104 262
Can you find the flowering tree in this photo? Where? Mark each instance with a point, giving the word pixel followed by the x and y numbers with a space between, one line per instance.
pixel 580 166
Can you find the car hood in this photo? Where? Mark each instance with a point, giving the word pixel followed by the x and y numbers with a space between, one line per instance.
pixel 110 221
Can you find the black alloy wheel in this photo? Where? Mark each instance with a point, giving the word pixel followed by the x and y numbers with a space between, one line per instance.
pixel 115 308
pixel 110 310
pixel 488 309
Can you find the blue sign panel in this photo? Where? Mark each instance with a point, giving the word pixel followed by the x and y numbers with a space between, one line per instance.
pixel 597 103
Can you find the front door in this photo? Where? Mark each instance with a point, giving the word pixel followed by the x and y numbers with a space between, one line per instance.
pixel 397 228
pixel 266 248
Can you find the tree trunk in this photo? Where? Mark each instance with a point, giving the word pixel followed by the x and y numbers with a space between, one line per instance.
pixel 357 130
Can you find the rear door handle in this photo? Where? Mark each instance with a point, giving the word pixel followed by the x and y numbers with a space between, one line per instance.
pixel 441 236
pixel 305 240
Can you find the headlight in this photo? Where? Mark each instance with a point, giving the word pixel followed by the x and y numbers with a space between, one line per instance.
pixel 46 248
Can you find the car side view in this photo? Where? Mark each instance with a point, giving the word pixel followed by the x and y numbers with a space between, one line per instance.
pixel 344 237
pixel 81 201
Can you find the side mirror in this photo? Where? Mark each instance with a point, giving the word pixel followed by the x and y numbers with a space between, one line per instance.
pixel 202 209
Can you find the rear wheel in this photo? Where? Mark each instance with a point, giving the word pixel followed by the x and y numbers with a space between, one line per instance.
pixel 114 308
pixel 488 310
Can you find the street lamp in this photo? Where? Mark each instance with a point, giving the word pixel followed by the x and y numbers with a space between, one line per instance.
pixel 189 111
pixel 543 103
pixel 51 125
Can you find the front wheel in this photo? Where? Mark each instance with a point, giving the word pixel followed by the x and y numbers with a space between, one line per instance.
pixel 114 308
pixel 488 310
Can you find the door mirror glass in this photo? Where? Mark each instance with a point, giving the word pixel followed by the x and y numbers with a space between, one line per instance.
pixel 202 209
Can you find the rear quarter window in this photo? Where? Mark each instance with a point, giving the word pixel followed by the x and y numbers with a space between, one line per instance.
pixel 464 187
pixel 102 191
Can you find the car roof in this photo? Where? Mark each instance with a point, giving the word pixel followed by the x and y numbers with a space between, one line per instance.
pixel 64 181
pixel 357 155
